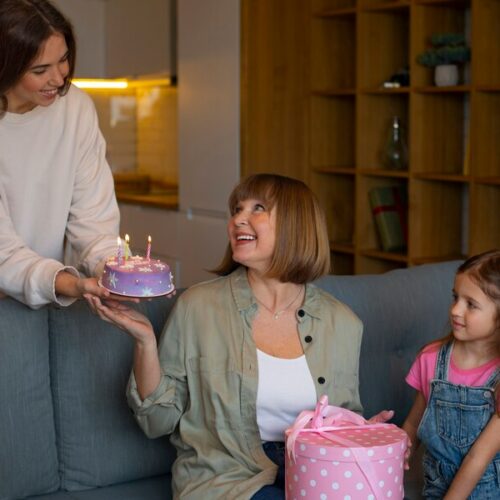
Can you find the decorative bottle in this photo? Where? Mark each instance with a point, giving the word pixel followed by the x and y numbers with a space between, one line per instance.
pixel 395 154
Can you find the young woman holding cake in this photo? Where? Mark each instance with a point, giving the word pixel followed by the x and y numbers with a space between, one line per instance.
pixel 56 188
pixel 242 355
pixel 456 413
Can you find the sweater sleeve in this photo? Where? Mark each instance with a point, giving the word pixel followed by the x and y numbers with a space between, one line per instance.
pixel 93 222
pixel 25 275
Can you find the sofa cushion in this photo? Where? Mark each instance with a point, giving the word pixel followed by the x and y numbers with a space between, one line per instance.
pixel 99 441
pixel 153 488
pixel 401 311
pixel 28 455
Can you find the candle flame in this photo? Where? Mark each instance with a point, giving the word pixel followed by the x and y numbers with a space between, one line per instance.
pixel 149 239
pixel 127 238
pixel 118 241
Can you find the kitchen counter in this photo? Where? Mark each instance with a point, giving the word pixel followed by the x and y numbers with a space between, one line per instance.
pixel 158 200
pixel 140 189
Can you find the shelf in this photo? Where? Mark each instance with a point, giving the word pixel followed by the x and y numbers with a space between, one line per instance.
pixel 340 247
pixel 459 89
pixel 392 256
pixel 403 174
pixel 393 5
pixel 452 181
pixel 433 176
pixel 334 170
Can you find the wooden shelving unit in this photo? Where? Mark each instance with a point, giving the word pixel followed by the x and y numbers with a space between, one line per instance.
pixel 454 201
pixel 313 106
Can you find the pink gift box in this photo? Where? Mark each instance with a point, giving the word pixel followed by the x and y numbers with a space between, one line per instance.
pixel 339 460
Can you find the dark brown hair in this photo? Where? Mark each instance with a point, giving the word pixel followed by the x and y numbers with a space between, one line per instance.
pixel 25 25
pixel 302 251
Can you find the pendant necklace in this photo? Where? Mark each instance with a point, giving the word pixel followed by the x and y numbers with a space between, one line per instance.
pixel 277 314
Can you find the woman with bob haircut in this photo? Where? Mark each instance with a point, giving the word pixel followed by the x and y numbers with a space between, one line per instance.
pixel 243 354
pixel 58 211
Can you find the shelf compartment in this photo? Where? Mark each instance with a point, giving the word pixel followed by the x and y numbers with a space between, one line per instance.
pixel 485 30
pixel 485 134
pixel 332 7
pixel 332 131
pixel 430 18
pixel 374 118
pixel 333 39
pixel 383 5
pixel 342 263
pixel 336 195
pixel 383 46
pixel 438 219
pixel 367 238
pixel 439 127
pixel 485 207
pixel 367 264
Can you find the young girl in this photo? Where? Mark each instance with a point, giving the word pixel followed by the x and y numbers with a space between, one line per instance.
pixel 456 413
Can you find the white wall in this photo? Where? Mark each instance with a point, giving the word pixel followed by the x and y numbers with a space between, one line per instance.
pixel 209 102
pixel 194 239
pixel 88 19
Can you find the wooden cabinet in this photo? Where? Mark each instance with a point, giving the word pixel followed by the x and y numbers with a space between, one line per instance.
pixel 453 133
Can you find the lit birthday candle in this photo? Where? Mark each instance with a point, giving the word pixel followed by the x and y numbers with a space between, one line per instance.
pixel 127 246
pixel 119 251
pixel 148 250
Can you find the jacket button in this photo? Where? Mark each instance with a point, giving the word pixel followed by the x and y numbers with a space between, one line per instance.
pixel 308 339
pixel 321 380
pixel 301 313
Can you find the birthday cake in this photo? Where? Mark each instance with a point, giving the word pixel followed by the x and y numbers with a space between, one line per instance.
pixel 137 276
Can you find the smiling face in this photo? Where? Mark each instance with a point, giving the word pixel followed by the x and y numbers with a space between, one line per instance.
pixel 252 234
pixel 473 314
pixel 40 84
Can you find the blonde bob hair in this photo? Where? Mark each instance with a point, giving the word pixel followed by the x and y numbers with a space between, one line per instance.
pixel 302 250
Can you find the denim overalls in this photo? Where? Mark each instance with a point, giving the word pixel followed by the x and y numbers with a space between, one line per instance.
pixel 454 417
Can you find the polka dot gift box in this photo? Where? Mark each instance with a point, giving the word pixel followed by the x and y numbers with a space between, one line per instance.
pixel 333 453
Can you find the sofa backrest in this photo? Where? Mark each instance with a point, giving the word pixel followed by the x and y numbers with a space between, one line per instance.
pixel 28 454
pixel 99 441
pixel 401 311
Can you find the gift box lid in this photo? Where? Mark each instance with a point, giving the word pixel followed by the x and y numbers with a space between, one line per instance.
pixel 372 443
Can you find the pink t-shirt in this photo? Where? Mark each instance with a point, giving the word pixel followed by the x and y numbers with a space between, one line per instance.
pixel 422 372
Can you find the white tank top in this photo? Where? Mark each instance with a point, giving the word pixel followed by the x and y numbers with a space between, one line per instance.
pixel 285 389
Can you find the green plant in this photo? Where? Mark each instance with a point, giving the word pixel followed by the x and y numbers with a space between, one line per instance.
pixel 446 48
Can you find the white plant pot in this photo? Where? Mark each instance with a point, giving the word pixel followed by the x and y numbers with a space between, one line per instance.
pixel 446 75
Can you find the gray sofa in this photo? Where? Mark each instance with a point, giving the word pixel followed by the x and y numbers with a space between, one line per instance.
pixel 66 431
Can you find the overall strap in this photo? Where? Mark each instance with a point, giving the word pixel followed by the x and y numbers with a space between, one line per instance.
pixel 494 378
pixel 443 361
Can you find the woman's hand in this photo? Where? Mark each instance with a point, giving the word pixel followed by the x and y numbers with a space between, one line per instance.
pixel 124 317
pixel 382 417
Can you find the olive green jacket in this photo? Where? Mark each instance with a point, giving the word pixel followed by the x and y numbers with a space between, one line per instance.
pixel 207 395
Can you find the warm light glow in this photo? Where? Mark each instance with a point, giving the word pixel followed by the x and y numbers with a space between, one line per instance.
pixel 118 241
pixel 86 83
pixel 100 84
pixel 127 238
pixel 149 239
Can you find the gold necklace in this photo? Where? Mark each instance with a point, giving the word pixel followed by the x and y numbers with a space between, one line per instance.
pixel 277 314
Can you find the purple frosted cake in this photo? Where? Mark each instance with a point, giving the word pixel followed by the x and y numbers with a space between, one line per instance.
pixel 137 277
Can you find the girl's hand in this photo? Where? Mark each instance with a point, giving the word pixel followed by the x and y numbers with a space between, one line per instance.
pixel 124 317
pixel 381 417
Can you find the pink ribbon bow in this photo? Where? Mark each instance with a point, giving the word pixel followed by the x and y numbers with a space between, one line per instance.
pixel 325 418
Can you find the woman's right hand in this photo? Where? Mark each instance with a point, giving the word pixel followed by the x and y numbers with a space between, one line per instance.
pixel 124 317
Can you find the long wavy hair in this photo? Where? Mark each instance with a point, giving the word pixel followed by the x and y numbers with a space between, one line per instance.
pixel 25 25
